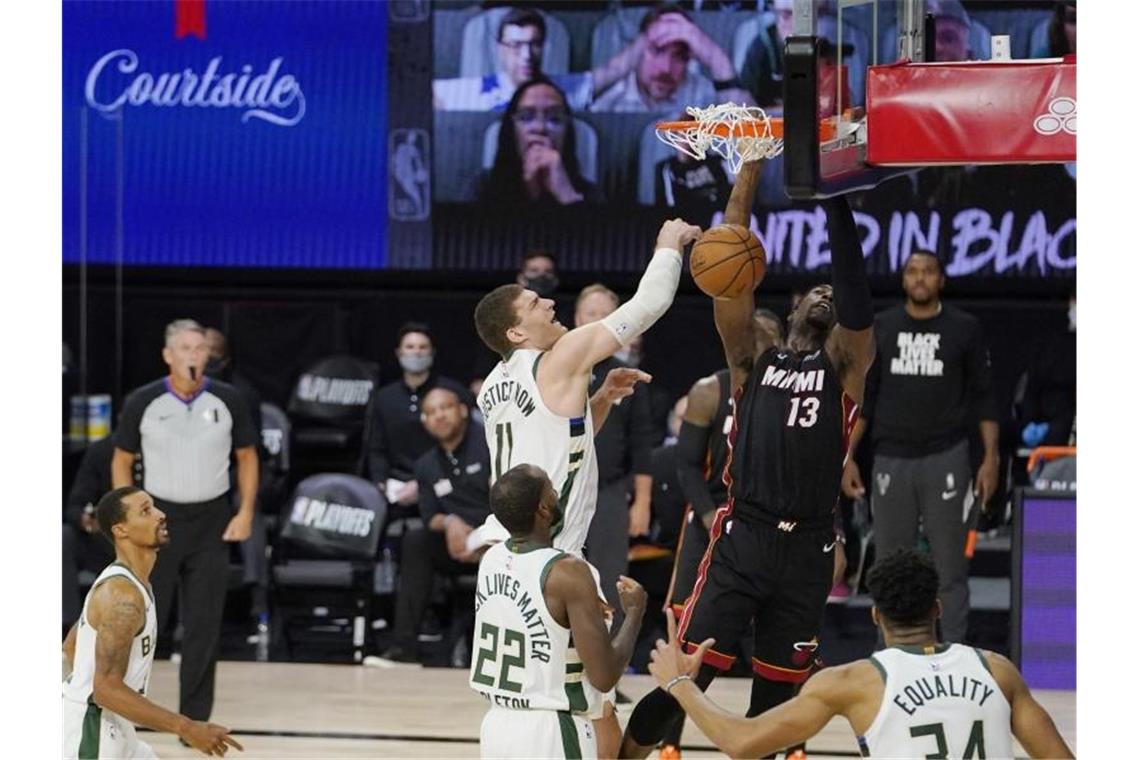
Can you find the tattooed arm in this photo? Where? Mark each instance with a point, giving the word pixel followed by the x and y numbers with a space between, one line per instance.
pixel 117 614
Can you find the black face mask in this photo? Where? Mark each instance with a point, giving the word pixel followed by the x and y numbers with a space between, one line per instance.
pixel 219 368
pixel 543 284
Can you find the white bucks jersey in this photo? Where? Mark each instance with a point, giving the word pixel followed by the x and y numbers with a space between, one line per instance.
pixel 88 729
pixel 78 686
pixel 522 430
pixel 519 658
pixel 938 702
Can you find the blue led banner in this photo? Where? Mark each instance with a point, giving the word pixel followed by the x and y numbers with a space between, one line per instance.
pixel 234 133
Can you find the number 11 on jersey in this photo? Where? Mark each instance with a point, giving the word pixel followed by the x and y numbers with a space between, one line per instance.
pixel 503 436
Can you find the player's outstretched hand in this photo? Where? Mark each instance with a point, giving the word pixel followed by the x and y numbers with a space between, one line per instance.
pixel 668 660
pixel 620 382
pixel 631 595
pixel 676 234
pixel 210 738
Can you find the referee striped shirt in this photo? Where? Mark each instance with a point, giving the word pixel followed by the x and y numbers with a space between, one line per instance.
pixel 185 443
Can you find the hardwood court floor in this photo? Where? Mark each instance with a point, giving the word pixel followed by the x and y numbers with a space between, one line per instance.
pixel 284 710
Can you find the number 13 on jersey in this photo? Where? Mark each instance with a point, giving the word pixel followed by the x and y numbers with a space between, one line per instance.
pixel 804 411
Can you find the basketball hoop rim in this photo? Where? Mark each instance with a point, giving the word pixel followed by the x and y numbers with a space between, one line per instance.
pixel 745 128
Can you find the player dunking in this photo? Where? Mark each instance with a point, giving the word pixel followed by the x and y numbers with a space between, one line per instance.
pixel 915 698
pixel 109 651
pixel 770 553
pixel 535 402
pixel 702 453
pixel 530 599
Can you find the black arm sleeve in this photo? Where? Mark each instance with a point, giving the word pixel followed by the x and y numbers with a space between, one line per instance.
pixel 979 376
pixel 848 273
pixel 692 447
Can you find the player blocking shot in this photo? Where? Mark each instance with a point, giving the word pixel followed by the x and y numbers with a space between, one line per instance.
pixel 530 599
pixel 535 402
pixel 537 409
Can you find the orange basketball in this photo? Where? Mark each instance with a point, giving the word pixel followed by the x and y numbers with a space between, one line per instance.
pixel 727 260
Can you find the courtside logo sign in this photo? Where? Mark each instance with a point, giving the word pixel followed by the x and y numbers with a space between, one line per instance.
pixel 266 93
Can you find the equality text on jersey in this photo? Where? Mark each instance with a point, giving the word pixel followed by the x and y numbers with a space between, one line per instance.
pixel 506 391
pixel 928 688
pixel 503 584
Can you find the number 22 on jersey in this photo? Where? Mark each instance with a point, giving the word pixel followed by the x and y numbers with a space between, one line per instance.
pixel 512 649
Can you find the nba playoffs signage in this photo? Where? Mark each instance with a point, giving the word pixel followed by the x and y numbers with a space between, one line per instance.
pixel 235 133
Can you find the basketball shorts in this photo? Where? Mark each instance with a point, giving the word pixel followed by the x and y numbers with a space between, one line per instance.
pixel 776 579
pixel 536 734
pixel 89 731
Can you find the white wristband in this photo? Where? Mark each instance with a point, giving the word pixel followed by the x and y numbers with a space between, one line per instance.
pixel 676 680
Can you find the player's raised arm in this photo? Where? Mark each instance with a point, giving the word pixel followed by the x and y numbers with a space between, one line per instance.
pixel 851 345
pixel 579 350
pixel 1028 720
pixel 734 315
pixel 570 583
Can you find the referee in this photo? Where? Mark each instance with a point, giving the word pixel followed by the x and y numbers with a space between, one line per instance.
pixel 185 426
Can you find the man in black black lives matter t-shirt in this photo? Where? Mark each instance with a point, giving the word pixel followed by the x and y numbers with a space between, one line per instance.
pixel 187 426
pixel 930 384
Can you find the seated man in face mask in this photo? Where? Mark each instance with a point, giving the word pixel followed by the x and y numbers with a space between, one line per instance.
pixel 397 436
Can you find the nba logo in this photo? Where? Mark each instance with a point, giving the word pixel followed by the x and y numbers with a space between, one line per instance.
pixel 409 179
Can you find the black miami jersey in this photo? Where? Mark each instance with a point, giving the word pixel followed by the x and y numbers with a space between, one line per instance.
pixel 789 441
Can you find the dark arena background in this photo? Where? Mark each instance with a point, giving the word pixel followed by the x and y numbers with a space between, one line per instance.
pixel 308 177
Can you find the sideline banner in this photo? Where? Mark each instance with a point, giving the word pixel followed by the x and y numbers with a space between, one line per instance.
pixel 232 133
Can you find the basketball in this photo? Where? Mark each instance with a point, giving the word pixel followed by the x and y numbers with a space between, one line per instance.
pixel 727 260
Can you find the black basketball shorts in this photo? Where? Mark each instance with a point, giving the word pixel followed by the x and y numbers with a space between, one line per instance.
pixel 777 575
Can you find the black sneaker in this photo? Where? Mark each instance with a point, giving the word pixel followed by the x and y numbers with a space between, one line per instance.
pixel 394 656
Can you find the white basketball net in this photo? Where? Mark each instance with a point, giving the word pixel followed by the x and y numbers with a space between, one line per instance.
pixel 747 134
